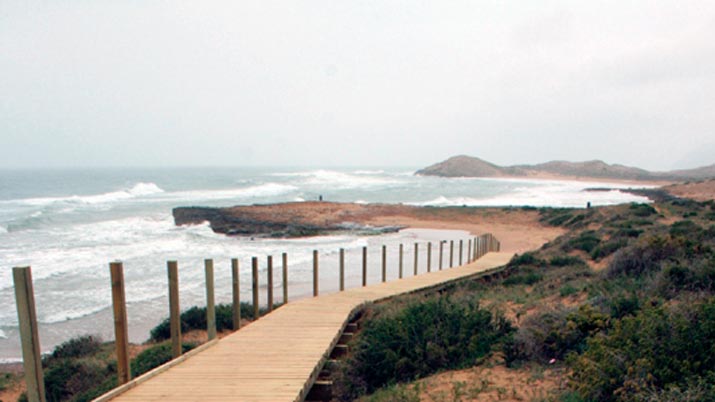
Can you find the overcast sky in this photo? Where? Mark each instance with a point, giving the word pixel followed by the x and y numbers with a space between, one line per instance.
pixel 330 83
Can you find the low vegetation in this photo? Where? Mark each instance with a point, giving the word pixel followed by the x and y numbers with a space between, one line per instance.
pixel 624 302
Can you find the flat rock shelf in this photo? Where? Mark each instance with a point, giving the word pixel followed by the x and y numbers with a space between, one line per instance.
pixel 279 357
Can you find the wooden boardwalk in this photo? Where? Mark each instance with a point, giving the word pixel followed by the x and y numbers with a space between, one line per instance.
pixel 278 357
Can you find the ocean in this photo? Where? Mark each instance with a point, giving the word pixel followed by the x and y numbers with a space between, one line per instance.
pixel 69 224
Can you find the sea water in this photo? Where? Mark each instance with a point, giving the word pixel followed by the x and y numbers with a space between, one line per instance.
pixel 69 224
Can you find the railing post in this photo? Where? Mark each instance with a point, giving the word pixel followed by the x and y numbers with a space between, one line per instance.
pixel 342 269
pixel 270 283
pixel 210 306
pixel 469 251
pixel 401 260
pixel 429 256
pixel 384 263
pixel 474 250
pixel 416 256
pixel 174 309
pixel 121 332
pixel 451 253
pixel 285 277
pixel 236 293
pixel 364 266
pixel 441 251
pixel 254 285
pixel 460 252
pixel 315 273
pixel 29 337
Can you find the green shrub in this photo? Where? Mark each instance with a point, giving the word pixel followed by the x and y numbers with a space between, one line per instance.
pixel 195 318
pixel 154 357
pixel 685 228
pixel 643 257
pixel 642 210
pixel 567 290
pixel 657 350
pixel 586 241
pixel 553 334
pixel 77 347
pixel 605 249
pixel 69 378
pixel 526 259
pixel 418 340
pixel 566 260
pixel 628 232
pixel 623 305
pixel 525 277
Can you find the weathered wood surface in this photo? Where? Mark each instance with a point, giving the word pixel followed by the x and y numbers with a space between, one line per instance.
pixel 278 357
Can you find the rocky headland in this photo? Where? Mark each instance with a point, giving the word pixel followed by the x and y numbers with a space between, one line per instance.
pixel 468 166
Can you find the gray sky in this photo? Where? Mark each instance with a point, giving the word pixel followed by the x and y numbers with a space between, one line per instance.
pixel 137 82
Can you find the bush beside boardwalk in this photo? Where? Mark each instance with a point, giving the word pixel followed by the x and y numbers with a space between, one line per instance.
pixel 625 302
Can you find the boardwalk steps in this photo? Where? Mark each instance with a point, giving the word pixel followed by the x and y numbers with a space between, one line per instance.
pixel 283 356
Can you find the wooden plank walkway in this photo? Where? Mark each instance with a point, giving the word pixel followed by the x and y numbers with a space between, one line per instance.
pixel 278 357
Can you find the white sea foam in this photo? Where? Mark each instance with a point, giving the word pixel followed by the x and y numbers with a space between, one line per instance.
pixel 261 190
pixel 2 334
pixel 340 180
pixel 3 229
pixel 138 190
pixel 369 172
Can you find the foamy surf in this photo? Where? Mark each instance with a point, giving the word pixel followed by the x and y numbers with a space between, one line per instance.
pixel 138 190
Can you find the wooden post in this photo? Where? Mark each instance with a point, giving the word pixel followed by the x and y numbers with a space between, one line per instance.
pixel 384 263
pixel 416 256
pixel 364 266
pixel 236 293
pixel 270 283
pixel 429 256
pixel 401 255
pixel 29 337
pixel 121 332
pixel 474 250
pixel 441 251
pixel 315 272
pixel 451 253
pixel 469 251
pixel 174 310
pixel 210 306
pixel 254 285
pixel 285 277
pixel 342 269
pixel 460 252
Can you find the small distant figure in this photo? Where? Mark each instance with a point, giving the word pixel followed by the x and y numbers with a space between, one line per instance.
pixel 320 197
pixel 588 205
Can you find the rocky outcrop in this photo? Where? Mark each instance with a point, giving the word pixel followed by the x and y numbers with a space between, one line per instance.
pixel 282 220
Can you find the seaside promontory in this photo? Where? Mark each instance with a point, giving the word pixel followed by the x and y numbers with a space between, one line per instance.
pixel 469 166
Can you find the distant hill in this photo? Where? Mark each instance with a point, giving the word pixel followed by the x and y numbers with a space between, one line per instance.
pixel 468 166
